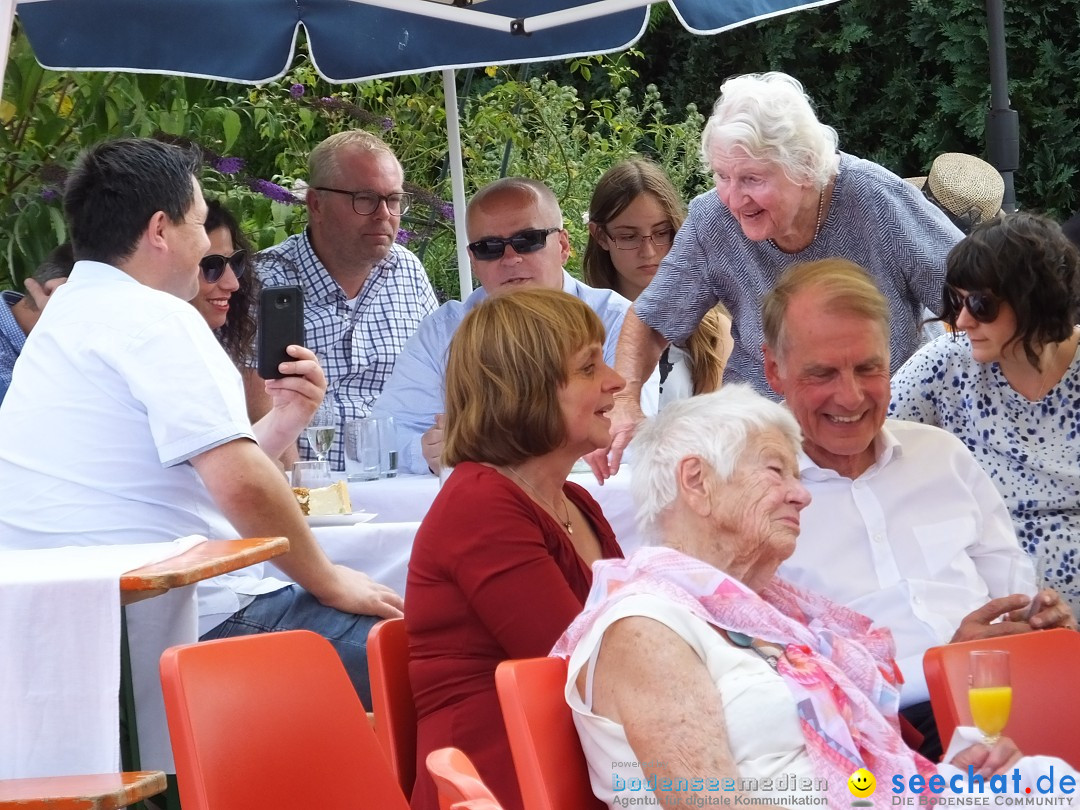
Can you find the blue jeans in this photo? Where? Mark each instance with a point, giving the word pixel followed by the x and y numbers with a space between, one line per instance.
pixel 293 608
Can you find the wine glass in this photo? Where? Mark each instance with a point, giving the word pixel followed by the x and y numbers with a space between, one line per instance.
pixel 321 430
pixel 989 693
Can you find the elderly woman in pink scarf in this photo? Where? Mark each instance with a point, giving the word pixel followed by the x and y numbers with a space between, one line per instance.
pixel 696 675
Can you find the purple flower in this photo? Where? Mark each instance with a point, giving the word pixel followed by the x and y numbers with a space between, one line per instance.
pixel 228 165
pixel 387 123
pixel 296 90
pixel 49 194
pixel 404 236
pixel 274 192
pixel 447 210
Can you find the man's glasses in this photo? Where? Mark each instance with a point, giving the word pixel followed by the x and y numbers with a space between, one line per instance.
pixel 366 203
pixel 982 306
pixel 660 238
pixel 213 265
pixel 530 241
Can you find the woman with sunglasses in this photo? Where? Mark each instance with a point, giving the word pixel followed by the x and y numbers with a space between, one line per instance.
pixel 227 292
pixel 633 216
pixel 1007 381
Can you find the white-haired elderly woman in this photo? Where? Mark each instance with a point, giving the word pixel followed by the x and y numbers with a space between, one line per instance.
pixel 693 667
pixel 784 195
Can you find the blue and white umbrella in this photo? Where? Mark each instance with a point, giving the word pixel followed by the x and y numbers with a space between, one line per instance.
pixel 254 41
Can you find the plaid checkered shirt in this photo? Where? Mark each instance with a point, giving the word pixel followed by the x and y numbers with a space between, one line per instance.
pixel 356 345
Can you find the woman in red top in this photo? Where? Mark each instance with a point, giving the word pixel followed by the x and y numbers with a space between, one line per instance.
pixel 501 563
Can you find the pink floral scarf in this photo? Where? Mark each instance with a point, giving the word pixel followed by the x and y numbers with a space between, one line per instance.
pixel 839 668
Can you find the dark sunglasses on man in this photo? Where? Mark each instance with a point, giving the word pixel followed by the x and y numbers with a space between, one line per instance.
pixel 213 265
pixel 981 305
pixel 528 241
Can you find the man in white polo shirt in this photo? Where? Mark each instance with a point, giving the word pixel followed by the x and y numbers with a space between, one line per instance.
pixel 126 421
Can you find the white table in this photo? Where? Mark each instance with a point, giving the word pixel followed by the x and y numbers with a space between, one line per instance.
pixel 382 547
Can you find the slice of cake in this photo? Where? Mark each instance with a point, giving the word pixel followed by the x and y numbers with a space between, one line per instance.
pixel 331 500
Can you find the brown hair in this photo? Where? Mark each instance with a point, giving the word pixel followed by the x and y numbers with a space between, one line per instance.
pixel 621 185
pixel 508 359
pixel 848 288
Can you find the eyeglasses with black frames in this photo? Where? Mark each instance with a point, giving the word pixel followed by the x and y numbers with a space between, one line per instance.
pixel 213 265
pixel 527 241
pixel 366 203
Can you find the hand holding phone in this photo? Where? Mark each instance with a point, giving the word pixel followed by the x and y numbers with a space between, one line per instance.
pixel 281 324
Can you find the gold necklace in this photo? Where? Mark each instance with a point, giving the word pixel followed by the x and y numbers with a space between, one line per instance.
pixel 817 225
pixel 554 512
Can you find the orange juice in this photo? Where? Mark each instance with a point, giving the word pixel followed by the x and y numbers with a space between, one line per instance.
pixel 990 707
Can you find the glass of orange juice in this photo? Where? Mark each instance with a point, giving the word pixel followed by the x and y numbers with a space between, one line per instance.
pixel 990 692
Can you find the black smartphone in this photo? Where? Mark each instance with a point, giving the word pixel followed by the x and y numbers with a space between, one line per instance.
pixel 281 324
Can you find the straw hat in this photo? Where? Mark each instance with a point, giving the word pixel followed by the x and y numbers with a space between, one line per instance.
pixel 968 189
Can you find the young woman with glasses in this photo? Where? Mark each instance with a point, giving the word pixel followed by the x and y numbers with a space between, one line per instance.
pixel 633 217
pixel 1007 381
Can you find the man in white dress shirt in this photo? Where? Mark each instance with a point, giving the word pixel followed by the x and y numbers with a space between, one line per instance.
pixel 147 433
pixel 518 240
pixel 904 526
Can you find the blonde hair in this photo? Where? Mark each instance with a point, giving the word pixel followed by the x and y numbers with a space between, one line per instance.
pixel 323 159
pixel 708 348
pixel 847 287
pixel 508 359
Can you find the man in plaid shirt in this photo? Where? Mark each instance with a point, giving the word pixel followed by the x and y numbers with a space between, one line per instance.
pixel 364 295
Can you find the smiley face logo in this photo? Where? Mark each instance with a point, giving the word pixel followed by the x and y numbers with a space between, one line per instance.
pixel 861 783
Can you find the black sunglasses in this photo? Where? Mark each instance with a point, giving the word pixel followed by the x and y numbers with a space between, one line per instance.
pixel 530 241
pixel 982 306
pixel 213 265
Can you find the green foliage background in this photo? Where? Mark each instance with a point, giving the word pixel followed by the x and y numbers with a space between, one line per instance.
pixel 900 80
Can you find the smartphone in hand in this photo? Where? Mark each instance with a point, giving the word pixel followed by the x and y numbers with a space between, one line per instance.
pixel 281 324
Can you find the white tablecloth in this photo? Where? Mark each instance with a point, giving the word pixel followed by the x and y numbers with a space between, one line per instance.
pixel 382 547
pixel 60 666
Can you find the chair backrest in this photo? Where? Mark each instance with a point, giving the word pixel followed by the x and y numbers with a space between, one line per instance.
pixel 271 721
pixel 392 699
pixel 550 765
pixel 1045 712
pixel 456 778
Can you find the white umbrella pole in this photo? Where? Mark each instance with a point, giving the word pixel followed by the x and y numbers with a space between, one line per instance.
pixel 457 180
pixel 7 24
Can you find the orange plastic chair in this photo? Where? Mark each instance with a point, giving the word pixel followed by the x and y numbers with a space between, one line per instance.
pixel 271 722
pixel 392 699
pixel 456 778
pixel 550 765
pixel 1043 669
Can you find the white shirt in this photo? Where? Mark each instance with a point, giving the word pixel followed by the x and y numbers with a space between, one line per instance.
pixel 118 386
pixel 916 542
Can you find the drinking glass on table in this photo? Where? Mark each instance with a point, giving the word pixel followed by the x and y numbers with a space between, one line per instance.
pixel 321 430
pixel 387 447
pixel 990 692
pixel 362 449
pixel 311 474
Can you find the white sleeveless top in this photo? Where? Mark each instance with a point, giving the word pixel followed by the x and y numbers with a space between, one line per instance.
pixel 761 717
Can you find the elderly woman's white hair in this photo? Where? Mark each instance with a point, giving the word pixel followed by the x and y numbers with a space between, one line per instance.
pixel 714 427
pixel 770 116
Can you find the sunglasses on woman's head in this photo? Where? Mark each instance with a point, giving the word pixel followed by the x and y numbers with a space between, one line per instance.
pixel 213 265
pixel 528 241
pixel 981 305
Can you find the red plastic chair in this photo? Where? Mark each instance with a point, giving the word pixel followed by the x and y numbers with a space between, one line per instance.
pixel 271 722
pixel 1045 706
pixel 550 765
pixel 392 699
pixel 456 778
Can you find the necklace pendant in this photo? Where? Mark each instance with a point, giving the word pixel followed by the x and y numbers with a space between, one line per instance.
pixel 568 527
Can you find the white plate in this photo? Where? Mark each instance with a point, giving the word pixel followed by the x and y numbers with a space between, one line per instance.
pixel 340 520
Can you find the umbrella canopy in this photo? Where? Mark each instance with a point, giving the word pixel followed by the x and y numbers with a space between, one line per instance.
pixel 349 40
pixel 254 41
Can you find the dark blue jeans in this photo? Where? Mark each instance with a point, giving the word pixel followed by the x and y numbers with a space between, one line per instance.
pixel 293 608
